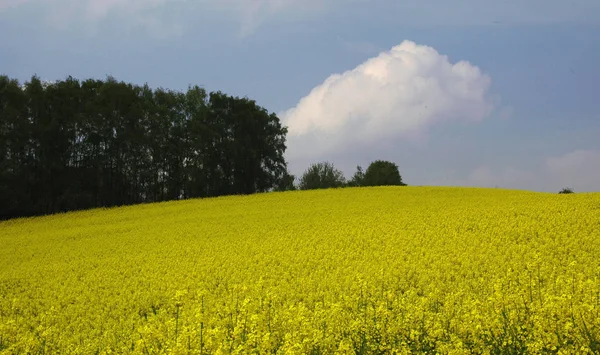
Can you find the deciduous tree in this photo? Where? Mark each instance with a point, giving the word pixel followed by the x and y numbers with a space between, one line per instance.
pixel 381 172
pixel 321 175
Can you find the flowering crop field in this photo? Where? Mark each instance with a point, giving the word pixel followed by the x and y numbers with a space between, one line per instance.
pixel 350 271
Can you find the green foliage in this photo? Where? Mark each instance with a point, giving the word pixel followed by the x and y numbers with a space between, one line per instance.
pixel 286 183
pixel 73 145
pixel 382 173
pixel 321 175
pixel 357 178
pixel 566 190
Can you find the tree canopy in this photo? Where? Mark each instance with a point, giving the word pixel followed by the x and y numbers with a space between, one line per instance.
pixel 382 173
pixel 322 175
pixel 357 178
pixel 76 144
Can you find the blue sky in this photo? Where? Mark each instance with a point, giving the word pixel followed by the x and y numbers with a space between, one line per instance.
pixel 467 92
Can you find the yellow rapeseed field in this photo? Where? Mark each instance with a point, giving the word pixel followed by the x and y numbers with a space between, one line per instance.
pixel 391 270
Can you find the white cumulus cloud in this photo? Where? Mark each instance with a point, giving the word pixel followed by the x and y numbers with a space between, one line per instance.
pixel 397 94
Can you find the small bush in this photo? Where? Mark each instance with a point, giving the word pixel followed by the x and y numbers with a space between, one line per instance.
pixel 322 175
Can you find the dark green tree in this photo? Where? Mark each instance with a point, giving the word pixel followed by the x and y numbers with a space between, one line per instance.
pixel 286 183
pixel 72 145
pixel 16 155
pixel 199 142
pixel 357 178
pixel 321 175
pixel 382 173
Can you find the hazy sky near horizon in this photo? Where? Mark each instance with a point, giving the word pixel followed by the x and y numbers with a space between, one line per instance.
pixel 456 92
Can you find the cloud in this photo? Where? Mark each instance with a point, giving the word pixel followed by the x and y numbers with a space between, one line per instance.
pixel 486 12
pixel 251 14
pixel 578 169
pixel 149 13
pixel 360 47
pixel 9 4
pixel 91 9
pixel 398 94
pixel 486 176
pixel 64 14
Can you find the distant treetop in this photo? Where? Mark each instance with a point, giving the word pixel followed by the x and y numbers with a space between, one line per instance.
pixel 382 173
pixel 566 190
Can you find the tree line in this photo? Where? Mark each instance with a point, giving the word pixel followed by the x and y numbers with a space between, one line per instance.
pixel 324 175
pixel 71 145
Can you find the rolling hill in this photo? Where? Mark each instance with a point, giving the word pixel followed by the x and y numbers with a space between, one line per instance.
pixel 355 270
